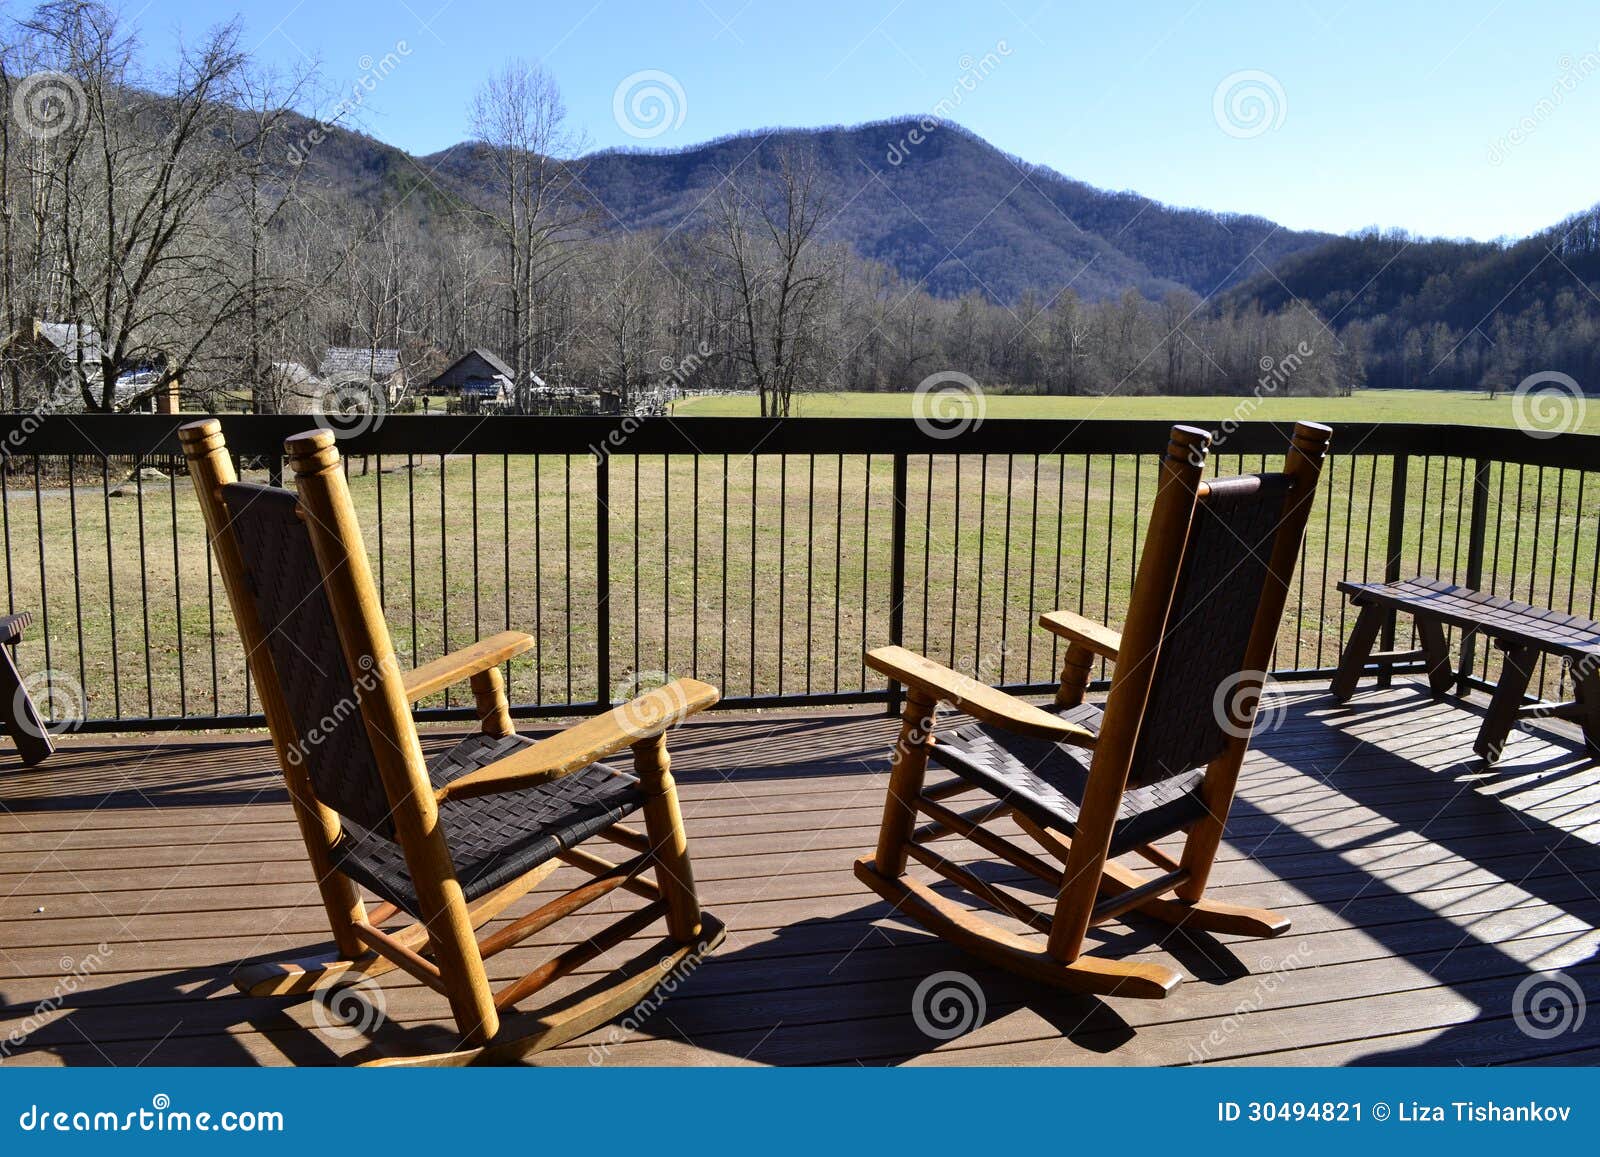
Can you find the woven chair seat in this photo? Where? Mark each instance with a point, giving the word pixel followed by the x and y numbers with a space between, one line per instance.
pixel 1045 780
pixel 493 839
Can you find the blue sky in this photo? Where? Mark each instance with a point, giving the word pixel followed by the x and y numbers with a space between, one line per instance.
pixel 1474 118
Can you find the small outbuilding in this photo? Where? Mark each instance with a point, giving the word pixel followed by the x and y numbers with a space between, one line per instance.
pixel 477 374
pixel 341 364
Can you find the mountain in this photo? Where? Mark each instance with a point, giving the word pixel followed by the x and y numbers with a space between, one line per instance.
pixel 1423 281
pixel 1451 313
pixel 947 210
pixel 952 211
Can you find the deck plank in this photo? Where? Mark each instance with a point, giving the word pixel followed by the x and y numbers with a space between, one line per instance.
pixel 1423 891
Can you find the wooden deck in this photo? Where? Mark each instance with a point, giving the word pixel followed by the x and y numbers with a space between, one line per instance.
pixel 1423 891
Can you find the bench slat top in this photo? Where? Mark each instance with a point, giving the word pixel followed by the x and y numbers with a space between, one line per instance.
pixel 12 626
pixel 1503 618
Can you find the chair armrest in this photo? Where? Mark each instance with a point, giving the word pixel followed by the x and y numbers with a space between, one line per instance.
pixel 1096 637
pixel 437 674
pixel 979 700
pixel 584 743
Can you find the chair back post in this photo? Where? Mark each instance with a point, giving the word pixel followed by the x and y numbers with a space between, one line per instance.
pixel 210 469
pixel 1303 465
pixel 1148 610
pixel 386 713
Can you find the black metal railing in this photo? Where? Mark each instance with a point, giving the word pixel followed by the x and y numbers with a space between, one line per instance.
pixel 761 555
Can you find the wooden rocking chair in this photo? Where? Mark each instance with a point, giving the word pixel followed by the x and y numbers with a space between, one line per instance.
pixel 450 842
pixel 1165 752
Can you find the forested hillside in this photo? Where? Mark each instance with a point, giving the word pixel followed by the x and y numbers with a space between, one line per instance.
pixel 197 228
pixel 1453 313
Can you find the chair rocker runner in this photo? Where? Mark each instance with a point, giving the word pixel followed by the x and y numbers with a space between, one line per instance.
pixel 447 843
pixel 1088 785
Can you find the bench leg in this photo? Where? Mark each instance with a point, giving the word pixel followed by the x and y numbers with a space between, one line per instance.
pixel 1516 671
pixel 1436 655
pixel 1586 690
pixel 19 714
pixel 1356 650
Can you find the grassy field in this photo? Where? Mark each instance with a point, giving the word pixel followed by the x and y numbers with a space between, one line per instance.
pixel 764 575
pixel 1455 407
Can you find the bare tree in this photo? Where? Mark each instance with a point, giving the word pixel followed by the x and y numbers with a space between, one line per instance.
pixel 519 121
pixel 766 229
pixel 624 335
pixel 148 264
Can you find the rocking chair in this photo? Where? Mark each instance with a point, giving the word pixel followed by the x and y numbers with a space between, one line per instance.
pixel 1090 785
pixel 446 843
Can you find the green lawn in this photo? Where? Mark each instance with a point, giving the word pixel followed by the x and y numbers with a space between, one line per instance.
pixel 1453 407
pixel 764 576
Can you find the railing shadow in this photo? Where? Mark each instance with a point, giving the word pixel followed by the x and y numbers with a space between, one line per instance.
pixel 859 971
pixel 1459 823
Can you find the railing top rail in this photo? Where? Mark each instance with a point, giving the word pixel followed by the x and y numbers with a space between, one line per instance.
pixel 143 434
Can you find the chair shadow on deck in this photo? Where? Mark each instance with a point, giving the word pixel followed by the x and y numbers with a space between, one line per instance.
pixel 1465 965
pixel 840 988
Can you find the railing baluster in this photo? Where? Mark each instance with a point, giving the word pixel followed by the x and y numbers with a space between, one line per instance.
pixel 1477 526
pixel 111 583
pixel 602 573
pixel 897 570
pixel 1108 507
pixel 1391 566
pixel 44 585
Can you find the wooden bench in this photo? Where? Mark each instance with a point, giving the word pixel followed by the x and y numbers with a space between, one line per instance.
pixel 17 712
pixel 1522 631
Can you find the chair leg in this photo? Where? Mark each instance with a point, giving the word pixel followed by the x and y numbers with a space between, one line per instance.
pixel 908 768
pixel 300 976
pixel 1515 673
pixel 995 945
pixel 669 845
pixel 1354 658
pixel 444 914
pixel 647 975
pixel 1204 915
